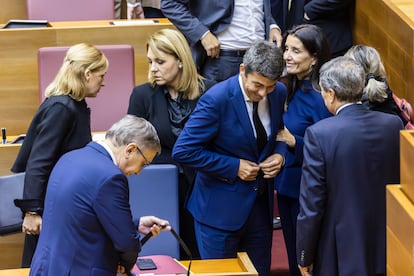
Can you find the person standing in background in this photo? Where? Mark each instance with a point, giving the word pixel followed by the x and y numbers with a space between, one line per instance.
pixel 377 94
pixel 139 9
pixel 289 13
pixel 220 32
pixel 348 159
pixel 305 50
pixel 335 18
pixel 167 100
pixel 61 124
pixel 230 140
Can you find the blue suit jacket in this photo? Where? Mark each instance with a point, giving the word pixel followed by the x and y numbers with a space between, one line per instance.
pixel 288 17
pixel 87 221
pixel 305 108
pixel 214 139
pixel 348 160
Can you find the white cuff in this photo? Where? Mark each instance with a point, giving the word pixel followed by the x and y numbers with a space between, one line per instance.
pixel 133 5
pixel 275 26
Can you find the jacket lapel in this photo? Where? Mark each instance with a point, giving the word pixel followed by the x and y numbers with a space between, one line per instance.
pixel 239 107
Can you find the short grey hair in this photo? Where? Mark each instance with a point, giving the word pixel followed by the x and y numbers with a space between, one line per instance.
pixel 345 76
pixel 264 58
pixel 133 129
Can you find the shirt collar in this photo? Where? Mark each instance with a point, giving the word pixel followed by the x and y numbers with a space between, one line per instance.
pixel 345 105
pixel 108 149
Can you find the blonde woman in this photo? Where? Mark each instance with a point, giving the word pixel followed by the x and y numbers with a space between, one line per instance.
pixel 377 94
pixel 167 100
pixel 61 124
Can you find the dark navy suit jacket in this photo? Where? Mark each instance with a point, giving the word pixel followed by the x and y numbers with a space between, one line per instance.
pixel 195 17
pixel 348 160
pixel 150 103
pixel 87 221
pixel 61 124
pixel 215 138
pixel 335 17
pixel 287 18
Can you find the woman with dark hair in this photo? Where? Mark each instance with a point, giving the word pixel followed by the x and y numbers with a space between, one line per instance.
pixel 305 50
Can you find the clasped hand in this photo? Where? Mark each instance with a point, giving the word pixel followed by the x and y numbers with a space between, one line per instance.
pixel 135 12
pixel 32 224
pixel 270 167
pixel 284 135
pixel 153 224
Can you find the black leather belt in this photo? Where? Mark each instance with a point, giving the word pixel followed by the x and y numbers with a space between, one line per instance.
pixel 232 53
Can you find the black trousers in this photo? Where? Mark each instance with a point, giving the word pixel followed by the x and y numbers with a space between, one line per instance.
pixel 30 243
pixel 186 222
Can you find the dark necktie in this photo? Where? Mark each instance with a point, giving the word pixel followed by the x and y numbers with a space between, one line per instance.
pixel 261 135
pixel 261 139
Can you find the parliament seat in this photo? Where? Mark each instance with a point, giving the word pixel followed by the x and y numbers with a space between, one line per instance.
pixel 111 104
pixel 11 187
pixel 155 192
pixel 72 10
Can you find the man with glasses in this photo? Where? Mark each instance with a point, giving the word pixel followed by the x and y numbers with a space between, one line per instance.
pixel 146 162
pixel 87 221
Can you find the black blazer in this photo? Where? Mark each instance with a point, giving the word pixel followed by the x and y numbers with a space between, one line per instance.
pixel 61 124
pixel 150 103
pixel 335 18
pixel 285 17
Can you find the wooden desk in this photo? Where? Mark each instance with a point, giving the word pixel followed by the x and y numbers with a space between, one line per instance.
pixel 230 267
pixel 15 272
pixel 406 163
pixel 8 154
pixel 240 266
pixel 400 229
pixel 18 59
pixel 12 9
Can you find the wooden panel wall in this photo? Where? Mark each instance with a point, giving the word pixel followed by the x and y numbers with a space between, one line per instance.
pixel 388 25
pixel 18 61
pixel 12 9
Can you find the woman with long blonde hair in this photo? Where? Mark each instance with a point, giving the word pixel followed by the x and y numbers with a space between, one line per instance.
pixel 167 100
pixel 61 124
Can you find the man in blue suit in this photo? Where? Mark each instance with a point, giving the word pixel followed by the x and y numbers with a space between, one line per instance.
pixel 220 31
pixel 87 221
pixel 232 198
pixel 348 160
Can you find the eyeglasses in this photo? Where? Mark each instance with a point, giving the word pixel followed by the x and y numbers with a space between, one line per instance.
pixel 147 163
